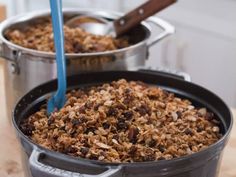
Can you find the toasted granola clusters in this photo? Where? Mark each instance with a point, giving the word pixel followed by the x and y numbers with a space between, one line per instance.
pixel 40 37
pixel 124 121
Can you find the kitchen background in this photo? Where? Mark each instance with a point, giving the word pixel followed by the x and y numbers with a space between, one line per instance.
pixel 204 44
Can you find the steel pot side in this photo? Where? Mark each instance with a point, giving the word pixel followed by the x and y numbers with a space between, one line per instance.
pixel 201 164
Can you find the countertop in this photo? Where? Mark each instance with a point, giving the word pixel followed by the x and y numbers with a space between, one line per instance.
pixel 10 160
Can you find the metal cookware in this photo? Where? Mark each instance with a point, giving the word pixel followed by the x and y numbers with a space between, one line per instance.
pixel 43 162
pixel 123 24
pixel 25 68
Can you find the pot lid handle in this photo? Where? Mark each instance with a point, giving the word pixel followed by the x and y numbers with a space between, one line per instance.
pixel 38 168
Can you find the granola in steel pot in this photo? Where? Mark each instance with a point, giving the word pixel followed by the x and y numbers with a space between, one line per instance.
pixel 40 37
pixel 124 121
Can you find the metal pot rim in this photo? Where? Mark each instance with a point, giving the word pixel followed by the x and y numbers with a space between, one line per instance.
pixel 27 16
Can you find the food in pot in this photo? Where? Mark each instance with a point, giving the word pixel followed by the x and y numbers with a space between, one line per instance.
pixel 124 121
pixel 40 37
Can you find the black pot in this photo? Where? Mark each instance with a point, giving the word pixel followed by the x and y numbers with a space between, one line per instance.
pixel 43 162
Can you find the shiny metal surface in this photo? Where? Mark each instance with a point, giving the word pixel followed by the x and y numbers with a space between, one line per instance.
pixel 26 68
pixel 92 24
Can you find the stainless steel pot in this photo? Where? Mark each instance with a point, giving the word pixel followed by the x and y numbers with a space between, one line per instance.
pixel 26 68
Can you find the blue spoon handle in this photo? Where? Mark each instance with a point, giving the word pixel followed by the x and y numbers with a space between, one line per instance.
pixel 58 100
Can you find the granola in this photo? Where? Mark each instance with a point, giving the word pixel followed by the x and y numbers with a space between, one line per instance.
pixel 40 37
pixel 124 121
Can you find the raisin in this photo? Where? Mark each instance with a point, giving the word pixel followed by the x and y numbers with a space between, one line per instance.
pixel 105 125
pixel 84 150
pixel 179 113
pixel 199 129
pixel 132 150
pixel 112 112
pixel 161 158
pixel 128 99
pixel 73 133
pixel 72 101
pixel 62 128
pixel 50 121
pixel 121 124
pixel 71 149
pixel 113 129
pixel 27 129
pixel 93 157
pixel 82 110
pixel 143 110
pixel 82 119
pixel 120 106
pixel 209 116
pixel 188 131
pixel 88 105
pixel 150 157
pixel 78 47
pixel 90 129
pixel 152 97
pixel 127 91
pixel 132 135
pixel 116 137
pixel 76 122
pixel 128 115
pixel 161 148
pixel 152 143
pixel 97 106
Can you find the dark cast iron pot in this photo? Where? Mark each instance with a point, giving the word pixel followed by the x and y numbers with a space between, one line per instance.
pixel 42 162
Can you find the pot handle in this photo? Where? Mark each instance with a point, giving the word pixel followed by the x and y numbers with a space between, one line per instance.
pixel 8 53
pixel 41 169
pixel 168 29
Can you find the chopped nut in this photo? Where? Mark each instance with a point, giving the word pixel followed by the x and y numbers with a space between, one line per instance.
pixel 174 116
pixel 102 145
pixel 215 129
pixel 202 111
pixel 192 118
pixel 115 141
pixel 108 103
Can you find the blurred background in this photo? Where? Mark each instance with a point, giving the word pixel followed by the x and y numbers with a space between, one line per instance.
pixel 204 44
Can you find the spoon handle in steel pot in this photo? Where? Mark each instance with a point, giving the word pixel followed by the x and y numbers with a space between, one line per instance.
pixel 133 18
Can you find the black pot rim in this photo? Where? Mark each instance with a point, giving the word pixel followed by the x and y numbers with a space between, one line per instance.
pixel 101 163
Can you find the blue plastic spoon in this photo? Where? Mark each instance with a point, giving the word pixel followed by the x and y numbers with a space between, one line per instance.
pixel 57 101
